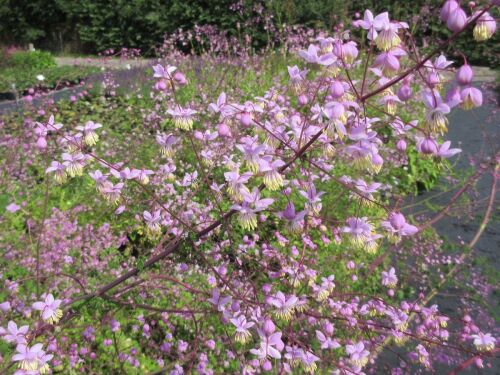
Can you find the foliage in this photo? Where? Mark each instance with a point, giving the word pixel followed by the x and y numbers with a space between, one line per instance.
pixel 98 25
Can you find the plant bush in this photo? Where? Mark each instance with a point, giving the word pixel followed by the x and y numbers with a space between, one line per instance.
pixel 243 215
pixel 32 60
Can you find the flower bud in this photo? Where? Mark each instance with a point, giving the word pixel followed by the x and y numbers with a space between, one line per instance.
pixel 336 89
pixel 267 365
pixel 268 327
pixel 429 146
pixel 303 100
pixel 479 363
pixel 457 20
pixel 246 119
pixel 464 75
pixel 180 78
pixel 448 7
pixel 41 143
pixel 401 145
pixel 404 92
pixel 223 130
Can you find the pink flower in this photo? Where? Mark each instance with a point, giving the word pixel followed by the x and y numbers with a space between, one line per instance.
pixel 14 334
pixel 397 225
pixel 485 27
pixel 88 130
pixel 312 57
pixel 372 24
pixel 242 328
pixel 160 72
pixel 444 150
pixel 32 359
pixel 484 341
pixel 51 312
pixel 358 353
pixel 389 278
pixel 12 208
pixel 270 346
pixel 285 305
pixel 471 98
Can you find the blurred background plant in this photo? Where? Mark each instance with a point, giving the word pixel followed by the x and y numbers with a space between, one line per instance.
pixel 92 26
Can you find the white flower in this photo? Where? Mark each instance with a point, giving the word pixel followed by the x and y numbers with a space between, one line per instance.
pixel 40 77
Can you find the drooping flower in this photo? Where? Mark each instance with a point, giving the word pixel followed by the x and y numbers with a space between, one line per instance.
pixel 285 306
pixel 90 137
pixel 297 77
pixel 74 163
pixel 427 145
pixel 364 191
pixel 271 344
pixel 236 184
pixel 219 106
pixel 272 177
pixel 32 359
pixel 423 355
pixel 390 103
pixel 346 52
pixel 167 142
pixel 471 98
pixel 484 341
pixel 292 218
pixel 247 210
pixel 51 312
pixel 357 353
pixel 485 27
pixel 435 117
pixel 388 61
pixel 218 300
pixel 313 197
pixel 99 178
pixel 59 171
pixel 182 117
pixel 389 278
pixel 359 230
pixel 153 221
pixel 388 36
pixel 112 192
pixel 308 361
pixel 242 328
pixel 142 175
pixel 42 131
pixel 252 152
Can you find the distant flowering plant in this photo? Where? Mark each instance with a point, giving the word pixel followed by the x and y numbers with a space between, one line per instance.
pixel 253 221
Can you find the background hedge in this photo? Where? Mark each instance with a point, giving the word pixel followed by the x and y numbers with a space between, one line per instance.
pixel 91 26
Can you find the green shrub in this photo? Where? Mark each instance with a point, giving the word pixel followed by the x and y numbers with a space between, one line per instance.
pixel 32 60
